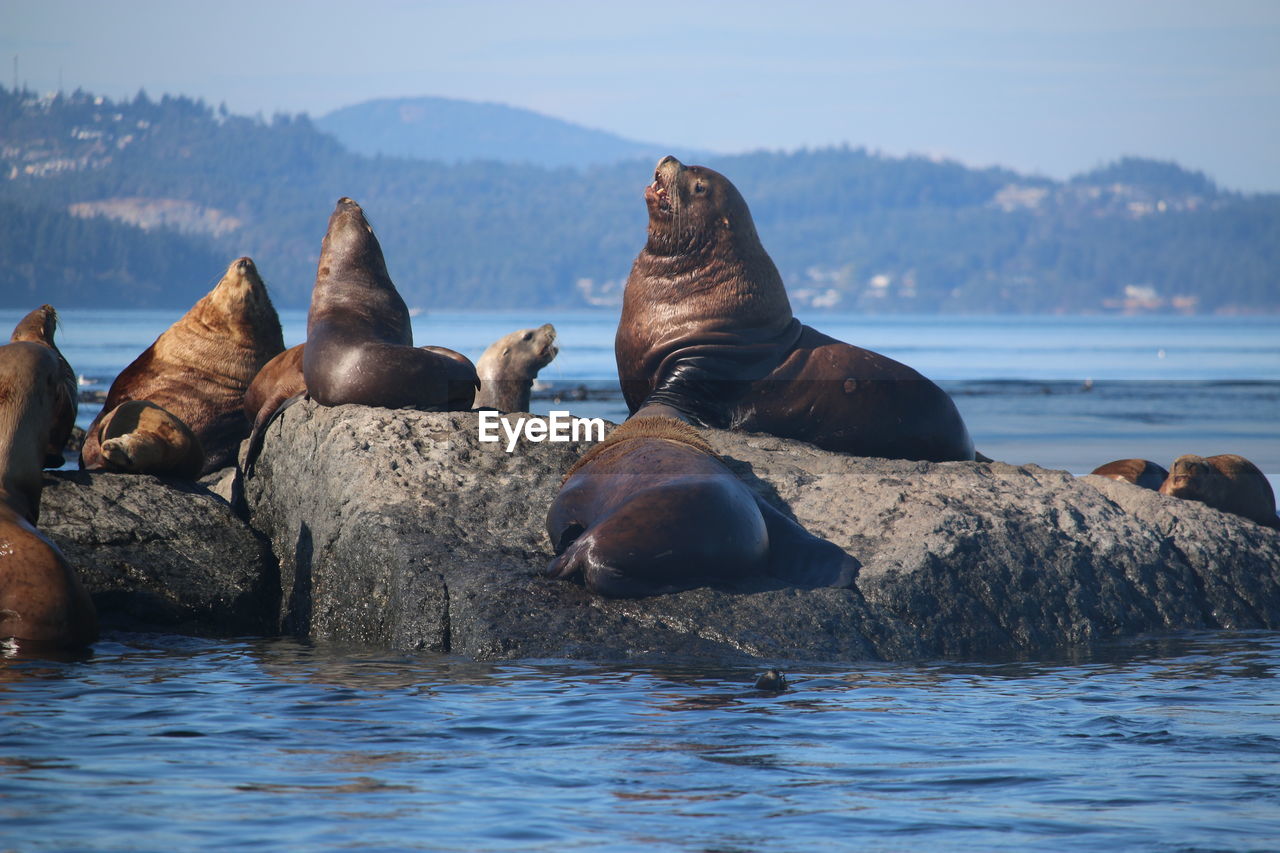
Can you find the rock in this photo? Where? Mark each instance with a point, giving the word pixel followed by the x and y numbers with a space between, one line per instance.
pixel 161 555
pixel 402 529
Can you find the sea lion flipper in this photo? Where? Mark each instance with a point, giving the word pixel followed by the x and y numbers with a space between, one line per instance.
pixel 253 444
pixel 802 559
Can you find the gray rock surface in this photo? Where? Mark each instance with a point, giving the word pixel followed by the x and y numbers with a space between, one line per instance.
pixel 400 528
pixel 161 555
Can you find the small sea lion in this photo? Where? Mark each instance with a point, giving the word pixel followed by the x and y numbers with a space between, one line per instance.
pixel 652 509
pixel 42 602
pixel 139 437
pixel 359 339
pixel 1226 482
pixel 1140 472
pixel 509 366
pixel 707 329
pixel 201 366
pixel 39 327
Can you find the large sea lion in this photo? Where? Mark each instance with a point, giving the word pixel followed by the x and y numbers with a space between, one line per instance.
pixel 509 366
pixel 1140 472
pixel 707 330
pixel 42 602
pixel 39 327
pixel 359 340
pixel 201 366
pixel 1227 482
pixel 139 437
pixel 652 509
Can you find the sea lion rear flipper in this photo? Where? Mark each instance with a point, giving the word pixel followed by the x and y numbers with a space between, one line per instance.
pixel 802 559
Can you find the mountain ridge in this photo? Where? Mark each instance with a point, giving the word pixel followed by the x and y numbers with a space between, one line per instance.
pixel 849 229
pixel 455 131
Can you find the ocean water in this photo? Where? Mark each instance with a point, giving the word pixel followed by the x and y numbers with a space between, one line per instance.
pixel 1062 392
pixel 156 742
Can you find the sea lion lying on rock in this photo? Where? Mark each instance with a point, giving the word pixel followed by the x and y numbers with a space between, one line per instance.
pixel 707 329
pixel 201 366
pixel 652 509
pixel 1140 472
pixel 507 370
pixel 359 339
pixel 1226 482
pixel 39 327
pixel 42 602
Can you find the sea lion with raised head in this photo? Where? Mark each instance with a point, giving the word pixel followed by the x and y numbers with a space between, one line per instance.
pixel 509 366
pixel 1140 472
pixel 1226 482
pixel 201 366
pixel 139 437
pixel 652 509
pixel 42 602
pixel 359 339
pixel 707 331
pixel 39 327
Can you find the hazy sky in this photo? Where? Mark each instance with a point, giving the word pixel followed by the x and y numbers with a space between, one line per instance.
pixel 1050 87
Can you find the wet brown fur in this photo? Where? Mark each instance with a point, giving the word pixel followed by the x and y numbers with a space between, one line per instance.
pixel 668 429
pixel 200 368
pixel 1226 482
pixel 652 509
pixel 139 437
pixel 707 328
pixel 41 600
pixel 359 338
pixel 1140 472
pixel 39 327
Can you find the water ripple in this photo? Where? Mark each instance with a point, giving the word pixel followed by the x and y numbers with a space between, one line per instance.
pixel 165 742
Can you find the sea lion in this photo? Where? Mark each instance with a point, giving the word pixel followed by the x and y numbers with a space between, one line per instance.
pixel 359 340
pixel 1140 472
pixel 652 509
pixel 41 600
pixel 280 381
pixel 139 437
pixel 1226 482
pixel 39 327
pixel 201 366
pixel 707 330
pixel 509 366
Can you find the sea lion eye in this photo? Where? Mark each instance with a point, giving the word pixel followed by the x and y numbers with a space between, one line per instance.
pixel 527 336
pixel 699 187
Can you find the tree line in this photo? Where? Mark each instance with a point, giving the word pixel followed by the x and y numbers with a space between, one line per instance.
pixel 864 231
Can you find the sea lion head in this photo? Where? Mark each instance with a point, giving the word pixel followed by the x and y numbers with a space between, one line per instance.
pixel 692 207
pixel 351 248
pixel 1190 477
pixel 38 326
pixel 240 307
pixel 523 353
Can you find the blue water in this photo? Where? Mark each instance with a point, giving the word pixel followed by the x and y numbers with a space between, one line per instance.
pixel 160 742
pixel 1063 392
pixel 168 743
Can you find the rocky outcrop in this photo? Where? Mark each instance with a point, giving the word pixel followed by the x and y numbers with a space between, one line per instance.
pixel 161 555
pixel 400 528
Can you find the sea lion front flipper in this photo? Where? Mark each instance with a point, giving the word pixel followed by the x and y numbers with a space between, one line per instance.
pixel 802 559
pixel 253 444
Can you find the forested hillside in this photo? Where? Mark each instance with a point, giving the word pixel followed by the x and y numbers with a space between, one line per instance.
pixel 143 202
